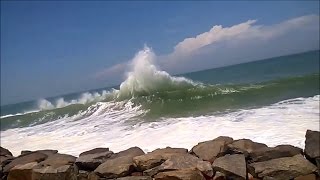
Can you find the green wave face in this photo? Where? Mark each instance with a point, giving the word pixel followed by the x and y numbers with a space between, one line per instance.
pixel 188 101
pixel 220 98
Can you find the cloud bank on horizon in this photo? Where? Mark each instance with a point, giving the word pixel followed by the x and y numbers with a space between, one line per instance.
pixel 222 46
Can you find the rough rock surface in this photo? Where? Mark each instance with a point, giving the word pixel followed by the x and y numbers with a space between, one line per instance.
pixel 135 178
pixel 47 152
pixel 306 177
pixel 5 152
pixel 63 172
pixel 185 174
pixel 119 165
pixel 182 161
pixel 91 161
pixel 32 157
pixel 268 153
pixel 133 152
pixel 156 157
pixel 22 172
pixel 94 151
pixel 57 160
pixel 244 146
pixel 282 168
pixel 231 165
pixel 210 150
pixel 312 145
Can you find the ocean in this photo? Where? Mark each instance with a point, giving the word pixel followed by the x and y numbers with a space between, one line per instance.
pixel 273 101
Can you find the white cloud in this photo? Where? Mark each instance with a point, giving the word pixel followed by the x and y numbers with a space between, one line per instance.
pixel 239 43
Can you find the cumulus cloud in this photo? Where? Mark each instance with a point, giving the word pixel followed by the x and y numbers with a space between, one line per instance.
pixel 239 43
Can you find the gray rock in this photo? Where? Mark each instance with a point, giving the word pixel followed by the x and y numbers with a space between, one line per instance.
pixel 90 162
pixel 32 157
pixel 231 165
pixel 94 151
pixel 184 174
pixel 156 157
pixel 312 145
pixel 282 168
pixel 268 153
pixel 306 177
pixel 244 146
pixel 210 150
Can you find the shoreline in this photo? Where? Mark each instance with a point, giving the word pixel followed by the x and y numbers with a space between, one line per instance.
pixel 220 158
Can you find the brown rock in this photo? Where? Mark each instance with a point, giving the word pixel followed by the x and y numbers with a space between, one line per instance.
pixel 57 160
pixel 133 152
pixel 135 178
pixel 268 153
pixel 156 157
pixel 5 152
pixel 120 164
pixel 210 150
pixel 186 161
pixel 116 167
pixel 231 165
pixel 244 146
pixel 312 145
pixel 22 172
pixel 94 151
pixel 32 157
pixel 185 174
pixel 90 162
pixel 306 177
pixel 82 175
pixel 47 152
pixel 63 172
pixel 219 176
pixel 282 168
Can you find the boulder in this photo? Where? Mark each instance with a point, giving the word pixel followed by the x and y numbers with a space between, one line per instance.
pixel 94 151
pixel 156 157
pixel 306 177
pixel 47 152
pixel 182 161
pixel 82 175
pixel 5 152
pixel 312 145
pixel 32 157
pixel 244 146
pixel 219 176
pixel 90 162
pixel 282 168
pixel 116 167
pixel 133 152
pixel 268 153
pixel 210 150
pixel 184 174
pixel 22 172
pixel 57 160
pixel 231 165
pixel 135 178
pixel 120 164
pixel 62 172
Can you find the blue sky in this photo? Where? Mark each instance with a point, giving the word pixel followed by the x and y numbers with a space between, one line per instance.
pixel 56 47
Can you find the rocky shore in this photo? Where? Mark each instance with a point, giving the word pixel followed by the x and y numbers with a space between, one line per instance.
pixel 217 159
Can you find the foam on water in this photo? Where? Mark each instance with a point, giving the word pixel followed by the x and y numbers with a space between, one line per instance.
pixel 110 125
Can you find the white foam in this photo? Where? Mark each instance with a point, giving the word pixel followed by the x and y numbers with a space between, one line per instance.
pixel 112 124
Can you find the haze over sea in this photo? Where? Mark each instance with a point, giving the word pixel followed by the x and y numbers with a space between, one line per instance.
pixel 272 101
